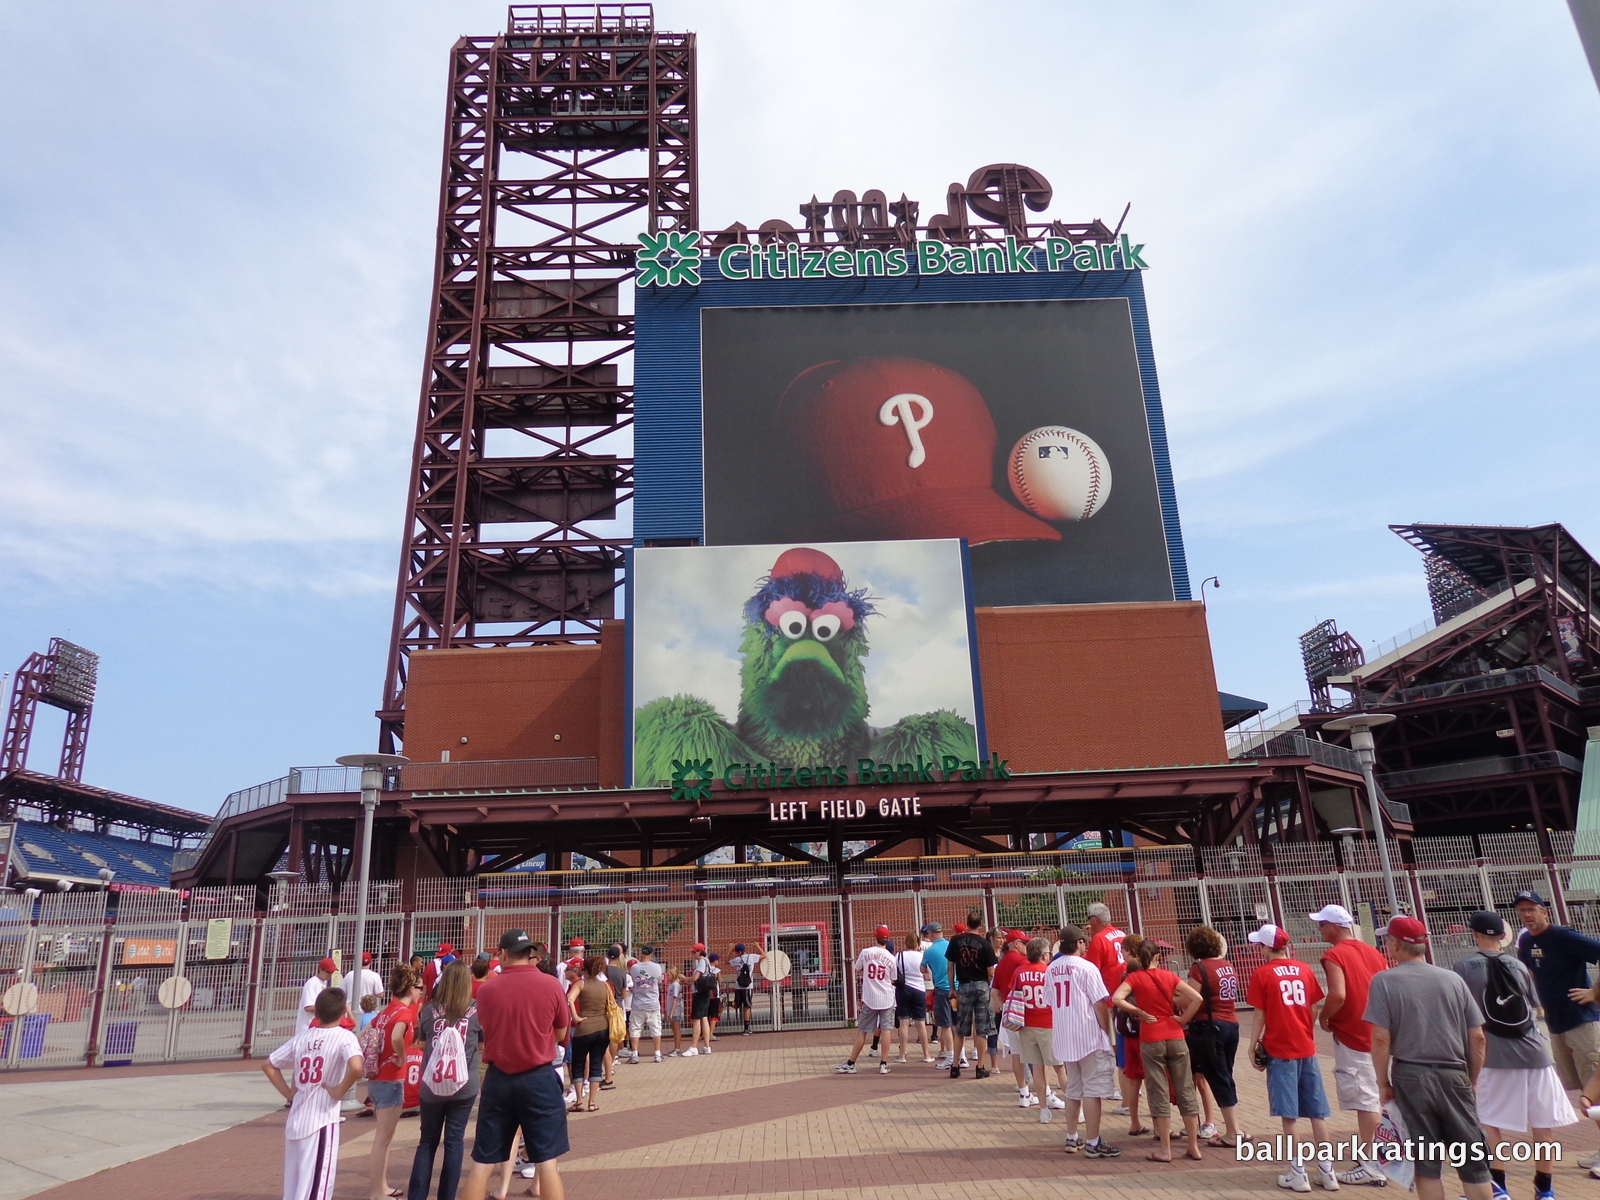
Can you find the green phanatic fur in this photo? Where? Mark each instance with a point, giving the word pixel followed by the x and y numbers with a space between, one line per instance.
pixel 929 736
pixel 682 728
pixel 767 660
pixel 686 727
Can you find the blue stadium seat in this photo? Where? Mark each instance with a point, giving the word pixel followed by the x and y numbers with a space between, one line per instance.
pixel 75 854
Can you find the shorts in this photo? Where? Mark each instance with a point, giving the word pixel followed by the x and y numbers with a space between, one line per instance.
pixel 1438 1105
pixel 1036 1047
pixel 702 1006
pixel 1516 1100
pixel 644 1024
pixel 872 1020
pixel 910 1005
pixel 741 998
pixel 1577 1054
pixel 530 1101
pixel 1355 1079
pixel 1294 1088
pixel 386 1093
pixel 974 1017
pixel 589 1055
pixel 943 1018
pixel 1092 1078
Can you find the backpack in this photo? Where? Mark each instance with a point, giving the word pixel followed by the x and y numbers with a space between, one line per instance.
pixel 1505 1005
pixel 743 982
pixel 446 1069
pixel 374 1045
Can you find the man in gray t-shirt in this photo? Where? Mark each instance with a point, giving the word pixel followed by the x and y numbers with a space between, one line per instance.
pixel 1518 1089
pixel 1427 1048
pixel 645 1018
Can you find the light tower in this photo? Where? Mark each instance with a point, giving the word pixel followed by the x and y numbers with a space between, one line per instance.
pixel 565 138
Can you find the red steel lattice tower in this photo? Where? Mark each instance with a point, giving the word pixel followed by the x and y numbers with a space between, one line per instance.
pixel 566 137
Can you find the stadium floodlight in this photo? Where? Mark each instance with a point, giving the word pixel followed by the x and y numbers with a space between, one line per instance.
pixel 373 768
pixel 1361 726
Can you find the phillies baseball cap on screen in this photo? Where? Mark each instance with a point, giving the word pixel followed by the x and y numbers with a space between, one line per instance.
pixel 902 448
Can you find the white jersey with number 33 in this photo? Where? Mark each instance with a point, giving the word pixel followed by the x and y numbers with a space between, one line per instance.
pixel 1073 987
pixel 312 1062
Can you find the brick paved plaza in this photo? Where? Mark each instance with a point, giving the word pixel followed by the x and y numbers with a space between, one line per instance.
pixel 763 1116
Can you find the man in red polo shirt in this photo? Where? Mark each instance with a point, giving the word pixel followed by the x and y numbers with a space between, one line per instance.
pixel 525 1018
pixel 1105 952
pixel 1349 965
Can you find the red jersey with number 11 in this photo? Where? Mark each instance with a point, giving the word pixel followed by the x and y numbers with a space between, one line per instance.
pixel 1285 991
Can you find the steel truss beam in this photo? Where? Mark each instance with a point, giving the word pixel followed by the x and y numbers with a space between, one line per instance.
pixel 565 137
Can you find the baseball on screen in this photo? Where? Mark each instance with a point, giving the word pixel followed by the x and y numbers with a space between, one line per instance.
pixel 1059 474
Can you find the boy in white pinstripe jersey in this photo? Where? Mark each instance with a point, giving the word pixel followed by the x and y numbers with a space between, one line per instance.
pixel 324 1063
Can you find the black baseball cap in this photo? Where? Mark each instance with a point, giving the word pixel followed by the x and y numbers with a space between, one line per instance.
pixel 1530 897
pixel 1490 924
pixel 647 950
pixel 515 941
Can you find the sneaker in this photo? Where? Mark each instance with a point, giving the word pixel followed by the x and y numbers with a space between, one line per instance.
pixel 674 1054
pixel 658 1056
pixel 883 1068
pixel 1547 1194
pixel 845 1068
pixel 692 1052
pixel 746 1033
pixel 982 1073
pixel 1364 1176
pixel 1208 1131
pixel 1589 1160
pixel 1324 1177
pixel 1101 1150
pixel 1055 1101
pixel 707 1050
pixel 933 1061
pixel 1120 1110
pixel 1295 1181
pixel 955 1071
pixel 1073 1144
pixel 1023 1100
pixel 528 1171
pixel 1044 1116
pixel 1497 1191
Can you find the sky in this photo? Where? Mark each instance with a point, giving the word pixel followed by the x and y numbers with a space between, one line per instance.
pixel 688 622
pixel 1373 295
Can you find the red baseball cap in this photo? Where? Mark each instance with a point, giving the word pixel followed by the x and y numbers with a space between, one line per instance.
pixel 1273 937
pixel 1015 935
pixel 902 448
pixel 1408 930
pixel 446 948
pixel 881 931
pixel 328 965
pixel 698 946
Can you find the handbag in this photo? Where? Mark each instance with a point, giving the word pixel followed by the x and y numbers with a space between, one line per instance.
pixel 1014 1015
pixel 1126 1025
pixel 615 1017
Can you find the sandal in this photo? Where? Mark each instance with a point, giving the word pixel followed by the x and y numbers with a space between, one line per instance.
pixel 1220 1142
pixel 1141 1131
pixel 1195 1157
pixel 575 1108
pixel 593 1107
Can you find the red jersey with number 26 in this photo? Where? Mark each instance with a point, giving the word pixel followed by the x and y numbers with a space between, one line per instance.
pixel 1029 980
pixel 1285 991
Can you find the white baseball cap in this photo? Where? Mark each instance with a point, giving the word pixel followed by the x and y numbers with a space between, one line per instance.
pixel 1334 914
pixel 1271 937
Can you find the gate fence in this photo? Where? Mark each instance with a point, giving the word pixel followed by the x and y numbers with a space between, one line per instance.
pixel 170 976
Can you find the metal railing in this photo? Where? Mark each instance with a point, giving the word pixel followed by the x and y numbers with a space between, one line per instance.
pixel 298 782
pixel 1292 744
pixel 1491 681
pixel 1478 768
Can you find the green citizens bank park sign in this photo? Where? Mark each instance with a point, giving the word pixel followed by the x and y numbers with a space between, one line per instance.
pixel 674 259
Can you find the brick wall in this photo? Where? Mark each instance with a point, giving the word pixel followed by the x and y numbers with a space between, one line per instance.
pixel 1074 687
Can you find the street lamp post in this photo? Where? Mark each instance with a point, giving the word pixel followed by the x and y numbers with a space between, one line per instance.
pixel 372 769
pixel 1361 726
